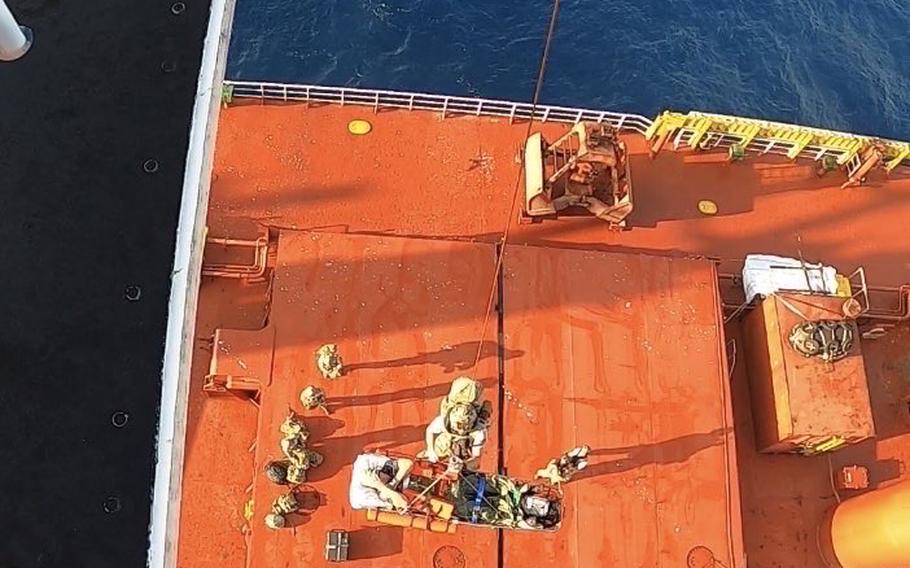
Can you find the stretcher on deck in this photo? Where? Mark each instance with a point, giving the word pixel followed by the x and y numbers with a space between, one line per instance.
pixel 439 501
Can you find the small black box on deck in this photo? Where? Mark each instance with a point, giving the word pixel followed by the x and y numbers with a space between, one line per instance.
pixel 336 546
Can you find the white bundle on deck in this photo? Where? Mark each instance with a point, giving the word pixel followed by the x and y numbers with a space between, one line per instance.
pixel 765 274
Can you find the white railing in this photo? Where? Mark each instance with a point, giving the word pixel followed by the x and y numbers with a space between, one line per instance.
pixel 446 105
pixel 467 106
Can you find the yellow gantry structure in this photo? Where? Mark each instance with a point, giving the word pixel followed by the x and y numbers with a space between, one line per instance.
pixel 704 129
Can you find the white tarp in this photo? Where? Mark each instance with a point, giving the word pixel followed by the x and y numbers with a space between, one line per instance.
pixel 764 274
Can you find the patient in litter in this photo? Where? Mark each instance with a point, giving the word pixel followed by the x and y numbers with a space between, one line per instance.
pixel 501 501
pixel 377 482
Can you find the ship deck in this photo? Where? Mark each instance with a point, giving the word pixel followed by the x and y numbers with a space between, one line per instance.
pixel 386 245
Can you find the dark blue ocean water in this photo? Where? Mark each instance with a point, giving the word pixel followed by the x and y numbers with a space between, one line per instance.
pixel 841 64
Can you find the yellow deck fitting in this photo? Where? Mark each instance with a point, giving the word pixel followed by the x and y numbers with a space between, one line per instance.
pixel 761 136
pixel 359 127
pixel 746 133
pixel 699 129
pixel 892 162
pixel 707 207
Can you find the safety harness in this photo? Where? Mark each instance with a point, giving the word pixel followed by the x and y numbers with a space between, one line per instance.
pixel 481 485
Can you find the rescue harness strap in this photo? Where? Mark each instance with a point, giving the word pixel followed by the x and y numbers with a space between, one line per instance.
pixel 481 485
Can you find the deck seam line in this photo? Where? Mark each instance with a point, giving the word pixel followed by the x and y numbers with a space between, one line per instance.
pixel 574 406
pixel 647 366
pixel 500 362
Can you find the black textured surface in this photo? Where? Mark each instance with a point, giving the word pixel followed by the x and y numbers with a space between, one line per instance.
pixel 80 221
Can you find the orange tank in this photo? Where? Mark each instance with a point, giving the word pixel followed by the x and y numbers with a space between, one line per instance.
pixel 869 531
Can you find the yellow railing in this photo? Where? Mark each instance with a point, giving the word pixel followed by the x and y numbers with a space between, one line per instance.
pixel 701 130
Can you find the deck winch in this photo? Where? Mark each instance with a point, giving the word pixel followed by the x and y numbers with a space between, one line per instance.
pixel 585 168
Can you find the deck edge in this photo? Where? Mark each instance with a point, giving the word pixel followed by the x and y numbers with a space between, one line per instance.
pixel 736 538
pixel 185 277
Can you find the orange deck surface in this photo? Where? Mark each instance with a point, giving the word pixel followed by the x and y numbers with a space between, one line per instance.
pixel 448 183
pixel 623 355
pixel 405 314
pixel 416 174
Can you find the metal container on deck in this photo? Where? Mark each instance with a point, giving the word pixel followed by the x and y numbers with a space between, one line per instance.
pixel 803 404
pixel 337 544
